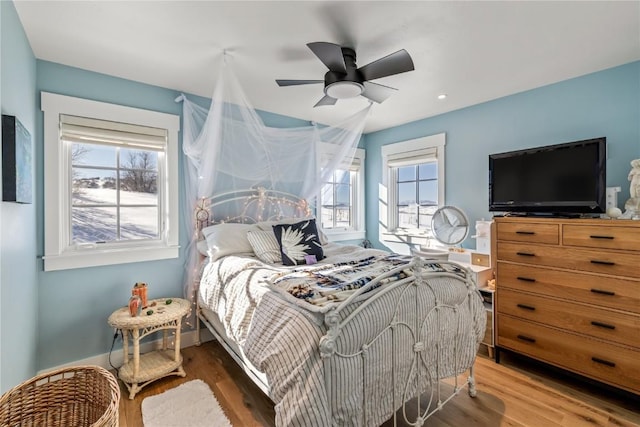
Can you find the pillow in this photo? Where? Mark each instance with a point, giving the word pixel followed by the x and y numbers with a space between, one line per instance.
pixel 298 240
pixel 203 248
pixel 268 225
pixel 228 239
pixel 322 237
pixel 265 246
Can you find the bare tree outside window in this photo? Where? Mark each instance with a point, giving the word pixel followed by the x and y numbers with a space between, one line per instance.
pixel 140 172
pixel 114 193
pixel 78 155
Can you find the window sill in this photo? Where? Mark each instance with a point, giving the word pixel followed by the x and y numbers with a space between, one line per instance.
pixel 414 237
pixel 342 235
pixel 99 257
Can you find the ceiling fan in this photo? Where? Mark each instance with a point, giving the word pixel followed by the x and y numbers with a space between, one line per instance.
pixel 345 80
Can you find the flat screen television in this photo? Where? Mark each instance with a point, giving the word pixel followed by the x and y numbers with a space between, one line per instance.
pixel 559 179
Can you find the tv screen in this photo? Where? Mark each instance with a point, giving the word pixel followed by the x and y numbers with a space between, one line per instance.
pixel 554 179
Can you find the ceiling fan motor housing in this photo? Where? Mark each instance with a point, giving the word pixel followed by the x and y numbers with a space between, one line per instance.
pixel 349 84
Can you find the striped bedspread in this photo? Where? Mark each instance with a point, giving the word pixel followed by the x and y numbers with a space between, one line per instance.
pixel 279 334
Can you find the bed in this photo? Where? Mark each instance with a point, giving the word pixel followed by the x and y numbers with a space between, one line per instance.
pixel 346 341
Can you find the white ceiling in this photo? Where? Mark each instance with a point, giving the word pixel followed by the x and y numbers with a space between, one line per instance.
pixel 473 51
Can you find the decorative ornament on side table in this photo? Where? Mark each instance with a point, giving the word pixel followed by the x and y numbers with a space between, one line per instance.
pixel 135 305
pixel 632 206
pixel 140 289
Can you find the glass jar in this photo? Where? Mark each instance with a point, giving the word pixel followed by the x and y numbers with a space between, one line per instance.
pixel 135 304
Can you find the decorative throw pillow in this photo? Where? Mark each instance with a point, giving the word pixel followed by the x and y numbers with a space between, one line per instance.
pixel 265 246
pixel 268 226
pixel 298 240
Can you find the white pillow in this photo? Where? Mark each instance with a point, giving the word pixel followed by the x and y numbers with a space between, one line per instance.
pixel 203 247
pixel 228 239
pixel 322 237
pixel 265 246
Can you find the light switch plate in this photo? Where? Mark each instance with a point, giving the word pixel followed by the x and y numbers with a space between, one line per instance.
pixel 612 197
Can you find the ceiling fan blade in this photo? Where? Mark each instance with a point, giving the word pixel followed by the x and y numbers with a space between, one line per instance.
pixel 395 63
pixel 297 82
pixel 330 54
pixel 377 92
pixel 326 100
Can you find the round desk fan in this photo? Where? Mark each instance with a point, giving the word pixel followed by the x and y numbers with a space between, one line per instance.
pixel 450 225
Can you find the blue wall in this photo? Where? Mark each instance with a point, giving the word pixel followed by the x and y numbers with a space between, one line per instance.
pixel 18 274
pixel 68 322
pixel 74 304
pixel 605 103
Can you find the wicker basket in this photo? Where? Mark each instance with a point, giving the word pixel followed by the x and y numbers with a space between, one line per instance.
pixel 78 396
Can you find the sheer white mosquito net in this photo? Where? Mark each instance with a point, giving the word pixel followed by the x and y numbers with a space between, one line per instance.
pixel 227 147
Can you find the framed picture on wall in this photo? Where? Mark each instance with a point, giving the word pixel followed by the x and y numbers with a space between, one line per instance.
pixel 17 160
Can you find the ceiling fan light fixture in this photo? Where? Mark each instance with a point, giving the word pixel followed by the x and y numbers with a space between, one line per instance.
pixel 344 89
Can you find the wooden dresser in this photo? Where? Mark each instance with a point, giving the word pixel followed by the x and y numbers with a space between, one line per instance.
pixel 568 294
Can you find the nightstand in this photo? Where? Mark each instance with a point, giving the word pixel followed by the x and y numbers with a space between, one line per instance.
pixel 139 370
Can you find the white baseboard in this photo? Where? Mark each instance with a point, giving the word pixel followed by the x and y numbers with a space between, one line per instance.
pixel 187 339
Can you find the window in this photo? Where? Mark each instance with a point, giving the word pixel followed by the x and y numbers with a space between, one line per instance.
pixel 413 174
pixel 417 189
pixel 337 200
pixel 342 201
pixel 110 183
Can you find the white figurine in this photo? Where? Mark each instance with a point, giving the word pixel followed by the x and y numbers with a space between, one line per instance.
pixel 634 177
pixel 632 206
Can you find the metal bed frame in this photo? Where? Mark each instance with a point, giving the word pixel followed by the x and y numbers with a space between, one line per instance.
pixel 263 205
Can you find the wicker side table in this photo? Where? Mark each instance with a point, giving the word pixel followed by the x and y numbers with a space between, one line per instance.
pixel 139 370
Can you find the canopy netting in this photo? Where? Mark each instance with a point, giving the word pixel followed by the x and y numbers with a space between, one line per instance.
pixel 228 147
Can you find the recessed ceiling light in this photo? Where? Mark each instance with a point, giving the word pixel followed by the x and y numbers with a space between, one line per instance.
pixel 442 96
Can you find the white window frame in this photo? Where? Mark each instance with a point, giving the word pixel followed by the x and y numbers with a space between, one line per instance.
pixel 357 230
pixel 405 153
pixel 60 253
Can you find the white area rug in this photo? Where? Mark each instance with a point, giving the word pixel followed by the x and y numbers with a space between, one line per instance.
pixel 191 404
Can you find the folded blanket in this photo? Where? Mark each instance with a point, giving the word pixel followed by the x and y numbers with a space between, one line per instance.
pixel 321 286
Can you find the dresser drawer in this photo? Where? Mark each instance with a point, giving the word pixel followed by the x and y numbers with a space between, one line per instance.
pixel 596 322
pixel 593 236
pixel 621 294
pixel 609 363
pixel 590 260
pixel 529 232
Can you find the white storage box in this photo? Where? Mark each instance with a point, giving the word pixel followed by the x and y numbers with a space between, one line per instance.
pixel 460 255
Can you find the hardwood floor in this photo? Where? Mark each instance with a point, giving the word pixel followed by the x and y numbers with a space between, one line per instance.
pixel 515 392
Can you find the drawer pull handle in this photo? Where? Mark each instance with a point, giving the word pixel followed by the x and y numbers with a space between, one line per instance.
pixel 601 237
pixel 600 291
pixel 527 254
pixel 599 262
pixel 526 338
pixel 526 279
pixel 603 362
pixel 530 233
pixel 526 307
pixel 602 325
